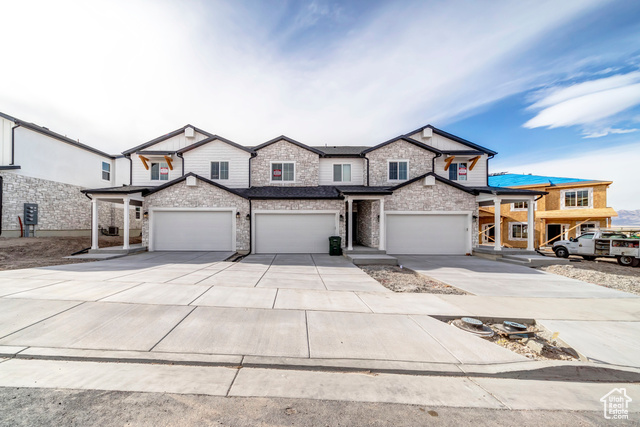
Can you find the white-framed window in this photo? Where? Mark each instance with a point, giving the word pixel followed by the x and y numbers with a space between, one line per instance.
pixel 159 171
pixel 283 171
pixel 106 171
pixel 576 199
pixel 588 227
pixel 138 212
pixel 219 170
pixel 520 206
pixel 458 171
pixel 398 170
pixel 342 172
pixel 518 231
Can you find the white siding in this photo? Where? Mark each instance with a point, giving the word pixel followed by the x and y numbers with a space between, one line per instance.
pixel 176 143
pixel 326 170
pixel 199 161
pixel 122 171
pixel 142 176
pixel 475 178
pixel 41 156
pixel 5 141
pixel 440 142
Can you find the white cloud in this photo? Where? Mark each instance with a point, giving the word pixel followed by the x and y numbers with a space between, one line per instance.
pixel 607 131
pixel 588 103
pixel 617 164
pixel 117 73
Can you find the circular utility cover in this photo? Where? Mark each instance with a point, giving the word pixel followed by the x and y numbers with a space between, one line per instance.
pixel 482 330
pixel 472 322
pixel 514 326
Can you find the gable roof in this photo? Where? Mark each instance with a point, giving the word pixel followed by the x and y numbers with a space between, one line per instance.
pixel 406 139
pixel 342 151
pixel 438 178
pixel 43 130
pixel 213 138
pixel 292 141
pixel 184 177
pixel 165 137
pixel 516 180
pixel 453 138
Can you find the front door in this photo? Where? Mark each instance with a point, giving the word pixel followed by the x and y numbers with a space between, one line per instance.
pixel 489 233
pixel 354 221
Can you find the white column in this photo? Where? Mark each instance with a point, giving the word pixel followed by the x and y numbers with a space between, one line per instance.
pixel 496 225
pixel 125 236
pixel 381 235
pixel 531 231
pixel 350 224
pixel 94 224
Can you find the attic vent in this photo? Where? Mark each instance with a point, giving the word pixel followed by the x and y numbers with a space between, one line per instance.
pixel 427 133
pixel 190 132
pixel 191 181
pixel 429 180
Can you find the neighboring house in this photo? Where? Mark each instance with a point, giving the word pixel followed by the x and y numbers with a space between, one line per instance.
pixel 417 193
pixel 38 166
pixel 572 206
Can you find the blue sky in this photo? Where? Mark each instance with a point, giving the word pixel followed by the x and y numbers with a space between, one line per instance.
pixel 554 87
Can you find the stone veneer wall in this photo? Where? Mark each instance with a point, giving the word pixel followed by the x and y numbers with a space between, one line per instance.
pixel 419 162
pixel 203 195
pixel 368 225
pixel 299 204
pixel 62 208
pixel 438 197
pixel 307 165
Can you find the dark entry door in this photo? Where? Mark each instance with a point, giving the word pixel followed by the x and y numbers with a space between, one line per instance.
pixel 554 231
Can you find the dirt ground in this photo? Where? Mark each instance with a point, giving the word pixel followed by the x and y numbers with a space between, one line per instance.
pixel 406 280
pixel 603 272
pixel 32 252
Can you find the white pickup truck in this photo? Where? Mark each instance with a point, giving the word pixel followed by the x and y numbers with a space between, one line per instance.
pixel 601 244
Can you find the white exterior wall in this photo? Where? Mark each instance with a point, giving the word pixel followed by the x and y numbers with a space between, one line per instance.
pixel 5 141
pixel 357 170
pixel 440 142
pixel 40 156
pixel 142 176
pixel 199 161
pixel 176 143
pixel 122 171
pixel 475 178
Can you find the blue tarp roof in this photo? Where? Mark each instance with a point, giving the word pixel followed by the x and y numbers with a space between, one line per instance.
pixel 514 180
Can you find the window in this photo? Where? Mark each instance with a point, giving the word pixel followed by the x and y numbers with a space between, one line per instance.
pixel 137 212
pixel 219 170
pixel 106 171
pixel 283 172
pixel 587 236
pixel 587 227
pixel 398 170
pixel 458 171
pixel 519 206
pixel 159 171
pixel 342 173
pixel 576 198
pixel 518 231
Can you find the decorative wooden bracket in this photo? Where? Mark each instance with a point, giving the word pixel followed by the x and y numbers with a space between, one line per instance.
pixel 168 159
pixel 144 161
pixel 473 162
pixel 448 162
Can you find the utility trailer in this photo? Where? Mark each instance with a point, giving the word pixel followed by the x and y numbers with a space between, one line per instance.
pixel 603 243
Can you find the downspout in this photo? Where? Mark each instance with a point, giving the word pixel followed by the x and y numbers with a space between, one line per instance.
pixel 128 156
pixel 433 162
pixel 13 143
pixel 250 227
pixel 367 159
pixel 491 156
pixel 254 154
pixel 182 161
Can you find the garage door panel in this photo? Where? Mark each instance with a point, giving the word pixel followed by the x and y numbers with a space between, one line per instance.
pixel 193 230
pixel 294 233
pixel 427 234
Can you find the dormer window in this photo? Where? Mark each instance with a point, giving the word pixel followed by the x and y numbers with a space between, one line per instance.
pixel 398 170
pixel 159 171
pixel 458 171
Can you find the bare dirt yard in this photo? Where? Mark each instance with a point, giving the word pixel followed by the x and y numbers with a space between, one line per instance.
pixel 603 272
pixel 406 280
pixel 32 252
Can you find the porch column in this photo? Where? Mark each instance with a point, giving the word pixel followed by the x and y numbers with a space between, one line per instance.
pixel 531 226
pixel 497 246
pixel 350 224
pixel 125 237
pixel 381 233
pixel 94 224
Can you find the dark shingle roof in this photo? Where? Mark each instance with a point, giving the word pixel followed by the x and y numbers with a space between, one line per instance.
pixel 362 189
pixel 124 189
pixel 321 192
pixel 342 151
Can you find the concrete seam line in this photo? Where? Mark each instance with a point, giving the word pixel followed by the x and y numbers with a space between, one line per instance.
pixel 196 298
pixel 306 321
pixel 275 298
pixel 171 330
pixel 33 289
pixel 265 272
pixel 42 320
pixel 119 292
pixel 490 394
pixel 363 301
pixel 318 271
pixel 434 338
pixel 234 378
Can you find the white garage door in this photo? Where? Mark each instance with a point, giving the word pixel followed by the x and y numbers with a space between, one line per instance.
pixel 294 233
pixel 428 234
pixel 192 231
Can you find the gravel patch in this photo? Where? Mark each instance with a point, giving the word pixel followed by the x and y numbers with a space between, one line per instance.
pixel 604 273
pixel 406 280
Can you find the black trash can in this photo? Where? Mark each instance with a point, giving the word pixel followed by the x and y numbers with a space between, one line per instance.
pixel 334 245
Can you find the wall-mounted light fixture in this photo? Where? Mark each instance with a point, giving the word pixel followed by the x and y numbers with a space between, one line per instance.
pixel 248 217
pixel 146 215
pixel 475 217
pixel 341 217
pixel 238 215
pixel 378 218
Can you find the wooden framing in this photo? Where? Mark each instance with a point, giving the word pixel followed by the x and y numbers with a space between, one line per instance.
pixel 473 162
pixel 448 162
pixel 144 161
pixel 168 159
